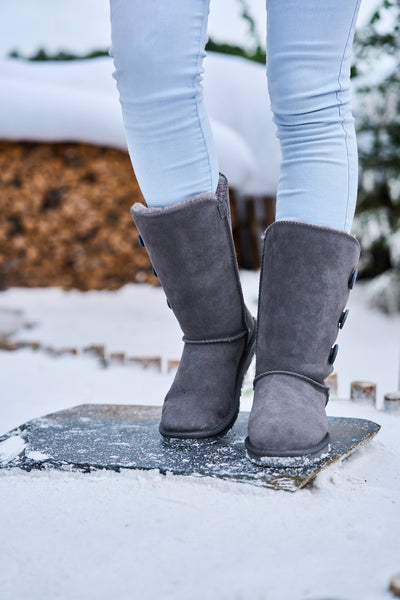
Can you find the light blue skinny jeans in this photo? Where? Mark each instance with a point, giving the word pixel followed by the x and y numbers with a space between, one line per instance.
pixel 158 50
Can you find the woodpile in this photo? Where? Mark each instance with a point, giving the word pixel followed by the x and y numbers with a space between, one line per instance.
pixel 65 218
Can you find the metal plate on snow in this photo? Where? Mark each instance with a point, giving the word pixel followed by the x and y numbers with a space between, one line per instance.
pixel 107 436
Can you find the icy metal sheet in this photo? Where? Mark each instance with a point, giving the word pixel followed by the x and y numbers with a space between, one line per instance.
pixel 107 436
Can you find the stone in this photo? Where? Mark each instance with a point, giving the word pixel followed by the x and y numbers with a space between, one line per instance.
pixel 115 437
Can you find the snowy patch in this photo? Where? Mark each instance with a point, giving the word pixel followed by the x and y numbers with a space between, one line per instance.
pixel 192 528
pixel 288 461
pixel 11 448
pixel 395 248
pixel 37 456
pixel 10 321
pixel 371 226
pixel 383 291
pixel 78 101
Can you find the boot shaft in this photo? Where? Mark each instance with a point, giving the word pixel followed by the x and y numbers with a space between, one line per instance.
pixel 191 248
pixel 306 275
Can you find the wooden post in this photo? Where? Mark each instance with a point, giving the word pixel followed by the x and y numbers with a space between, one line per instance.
pixel 146 361
pixel 394 585
pixel 391 402
pixel 363 391
pixel 117 358
pixel 250 217
pixel 172 364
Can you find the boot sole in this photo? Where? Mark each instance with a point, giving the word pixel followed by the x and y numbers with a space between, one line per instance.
pixel 223 428
pixel 288 458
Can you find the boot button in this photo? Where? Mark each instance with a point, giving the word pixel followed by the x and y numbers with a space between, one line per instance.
pixel 353 277
pixel 140 240
pixel 333 353
pixel 154 271
pixel 343 318
pixel 169 306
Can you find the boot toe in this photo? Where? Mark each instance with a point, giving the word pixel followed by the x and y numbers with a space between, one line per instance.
pixel 204 397
pixel 288 415
pixel 184 416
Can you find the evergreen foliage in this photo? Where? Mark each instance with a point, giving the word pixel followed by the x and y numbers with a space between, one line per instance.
pixel 377 221
pixel 41 55
pixel 257 53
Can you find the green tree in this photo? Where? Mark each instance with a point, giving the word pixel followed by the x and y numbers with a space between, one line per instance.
pixel 377 220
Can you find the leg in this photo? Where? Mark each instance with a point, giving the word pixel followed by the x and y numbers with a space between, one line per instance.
pixel 309 45
pixel 158 49
pixel 309 258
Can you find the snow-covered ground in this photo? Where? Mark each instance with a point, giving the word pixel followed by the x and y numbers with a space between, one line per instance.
pixel 129 535
pixel 130 321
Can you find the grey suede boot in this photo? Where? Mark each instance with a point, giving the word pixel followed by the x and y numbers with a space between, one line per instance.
pixel 307 272
pixel 191 248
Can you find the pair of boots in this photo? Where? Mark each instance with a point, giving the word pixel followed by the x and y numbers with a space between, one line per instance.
pixel 307 272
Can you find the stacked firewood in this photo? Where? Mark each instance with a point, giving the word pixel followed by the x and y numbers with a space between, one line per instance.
pixel 65 218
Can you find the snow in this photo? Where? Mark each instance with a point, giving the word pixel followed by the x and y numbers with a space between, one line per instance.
pixel 84 26
pixel 383 291
pixel 287 461
pixel 140 534
pixel 36 455
pixel 133 534
pixel 78 101
pixel 57 102
pixel 395 248
pixel 130 320
pixel 10 449
pixel 10 321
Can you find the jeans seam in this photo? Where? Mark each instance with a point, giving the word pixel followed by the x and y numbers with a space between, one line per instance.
pixel 205 16
pixel 339 101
